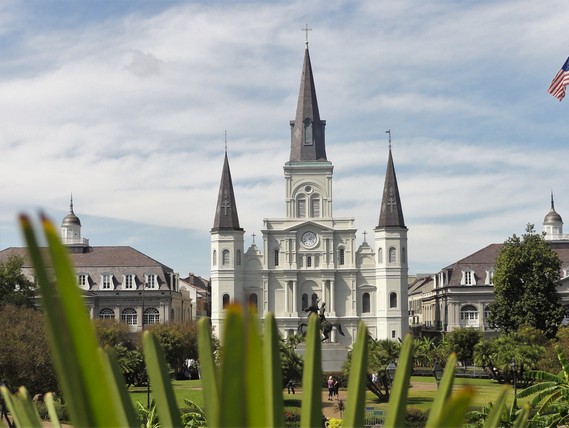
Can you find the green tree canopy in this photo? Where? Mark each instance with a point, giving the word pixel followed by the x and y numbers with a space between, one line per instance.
pixel 462 341
pixel 526 275
pixel 15 287
pixel 25 358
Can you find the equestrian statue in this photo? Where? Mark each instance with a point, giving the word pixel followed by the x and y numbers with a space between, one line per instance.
pixel 325 325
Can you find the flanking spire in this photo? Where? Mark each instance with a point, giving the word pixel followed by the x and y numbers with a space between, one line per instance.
pixel 307 139
pixel 226 217
pixel 391 212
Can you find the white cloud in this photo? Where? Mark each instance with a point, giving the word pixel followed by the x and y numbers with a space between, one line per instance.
pixel 128 112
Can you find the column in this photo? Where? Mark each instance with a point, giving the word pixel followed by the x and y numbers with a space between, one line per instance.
pixel 332 298
pixel 286 296
pixel 294 299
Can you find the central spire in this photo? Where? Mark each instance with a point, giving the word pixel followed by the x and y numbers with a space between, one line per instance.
pixel 307 139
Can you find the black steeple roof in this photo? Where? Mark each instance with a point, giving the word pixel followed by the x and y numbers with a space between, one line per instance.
pixel 391 212
pixel 307 139
pixel 226 217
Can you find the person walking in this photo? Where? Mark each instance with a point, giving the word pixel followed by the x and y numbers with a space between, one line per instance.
pixel 330 388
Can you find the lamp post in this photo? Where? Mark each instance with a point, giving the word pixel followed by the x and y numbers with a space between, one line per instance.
pixel 437 372
pixel 147 377
pixel 389 376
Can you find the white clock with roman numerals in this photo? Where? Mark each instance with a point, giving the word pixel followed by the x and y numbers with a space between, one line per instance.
pixel 309 239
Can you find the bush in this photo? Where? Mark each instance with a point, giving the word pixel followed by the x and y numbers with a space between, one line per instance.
pixel 416 418
pixel 59 408
pixel 292 418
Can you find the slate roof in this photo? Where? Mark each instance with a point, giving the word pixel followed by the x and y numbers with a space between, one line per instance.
pixel 102 256
pixel 391 211
pixel 226 217
pixel 307 111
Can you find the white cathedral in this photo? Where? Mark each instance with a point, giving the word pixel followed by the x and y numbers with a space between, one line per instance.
pixel 309 255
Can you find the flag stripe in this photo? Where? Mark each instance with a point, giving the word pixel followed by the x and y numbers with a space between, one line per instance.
pixel 560 81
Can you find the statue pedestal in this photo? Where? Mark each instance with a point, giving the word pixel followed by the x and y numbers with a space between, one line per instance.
pixel 333 355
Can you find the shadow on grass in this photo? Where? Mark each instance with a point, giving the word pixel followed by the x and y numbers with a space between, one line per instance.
pixel 292 402
pixel 419 400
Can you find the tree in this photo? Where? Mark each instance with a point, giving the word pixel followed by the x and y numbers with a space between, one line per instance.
pixel 25 358
pixel 462 341
pixel 179 342
pixel 15 287
pixel 291 361
pixel 496 356
pixel 526 275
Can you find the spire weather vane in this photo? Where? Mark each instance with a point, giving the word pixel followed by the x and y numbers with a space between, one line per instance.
pixel 306 30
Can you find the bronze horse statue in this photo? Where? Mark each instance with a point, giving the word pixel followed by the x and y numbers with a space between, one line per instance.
pixel 325 325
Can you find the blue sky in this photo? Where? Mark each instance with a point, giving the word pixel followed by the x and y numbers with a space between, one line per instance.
pixel 125 105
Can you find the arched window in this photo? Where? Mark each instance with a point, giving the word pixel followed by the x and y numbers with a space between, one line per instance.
pixel 341 254
pixel 304 302
pixel 469 316
pixel 225 300
pixel 276 257
pixel 314 299
pixel 253 301
pixel 380 256
pixel 392 255
pixel 308 261
pixel 151 316
pixel 214 258
pixel 315 205
pixel 225 257
pixel 301 207
pixel 366 303
pixel 129 316
pixel 392 300
pixel 107 314
pixel 238 257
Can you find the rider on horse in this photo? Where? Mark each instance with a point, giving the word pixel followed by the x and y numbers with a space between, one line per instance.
pixel 325 325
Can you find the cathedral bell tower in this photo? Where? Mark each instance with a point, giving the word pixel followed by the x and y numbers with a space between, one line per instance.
pixel 391 260
pixel 226 251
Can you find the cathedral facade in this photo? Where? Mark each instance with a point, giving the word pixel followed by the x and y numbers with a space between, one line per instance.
pixel 309 256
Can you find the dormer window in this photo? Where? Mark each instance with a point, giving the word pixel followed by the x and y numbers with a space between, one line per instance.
pixel 468 278
pixel 83 280
pixel 128 283
pixel 107 281
pixel 308 138
pixel 151 281
pixel 489 277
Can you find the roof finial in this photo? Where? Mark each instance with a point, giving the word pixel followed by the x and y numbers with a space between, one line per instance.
pixel 225 142
pixel 71 203
pixel 306 30
pixel 552 205
pixel 389 133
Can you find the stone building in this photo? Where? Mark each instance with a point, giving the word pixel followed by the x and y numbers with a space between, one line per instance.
pixel 119 282
pixel 309 255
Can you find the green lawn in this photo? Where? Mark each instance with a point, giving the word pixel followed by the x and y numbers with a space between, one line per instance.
pixel 421 393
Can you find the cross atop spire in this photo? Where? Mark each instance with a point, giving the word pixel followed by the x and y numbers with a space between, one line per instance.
pixel 389 133
pixel 226 141
pixel 306 30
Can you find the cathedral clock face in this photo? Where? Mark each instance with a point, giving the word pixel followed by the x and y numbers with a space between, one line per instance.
pixel 309 239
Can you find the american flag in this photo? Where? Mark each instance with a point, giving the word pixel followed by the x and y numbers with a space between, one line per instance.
pixel 560 81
